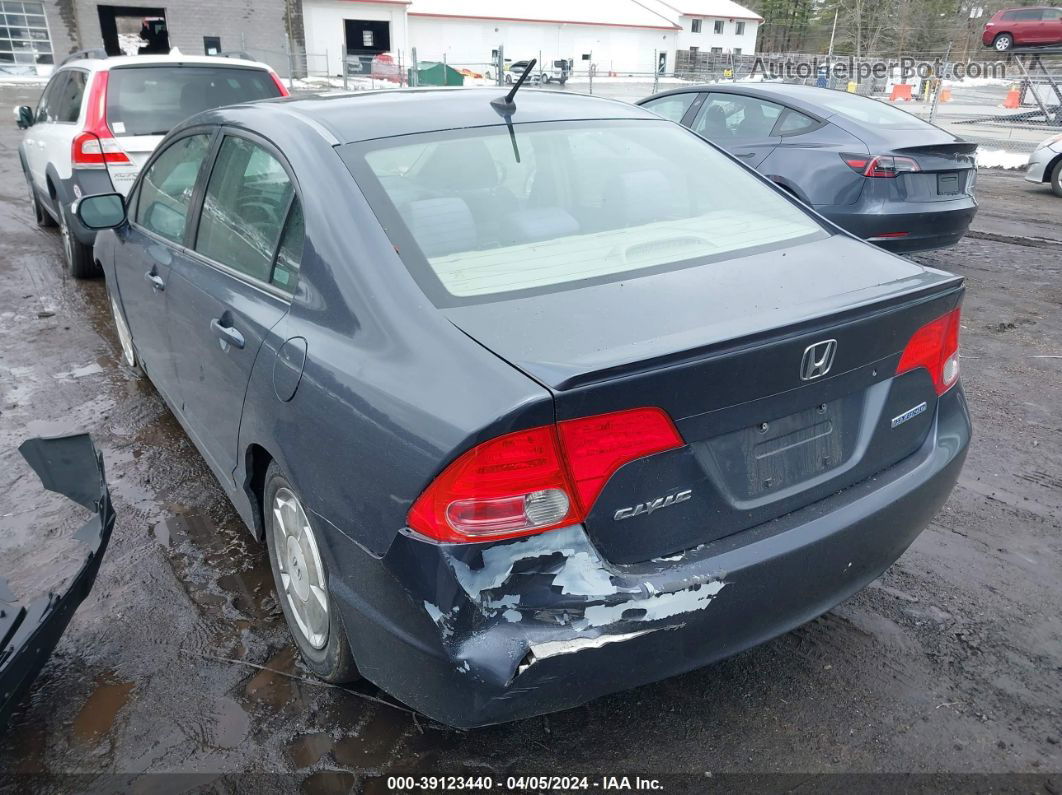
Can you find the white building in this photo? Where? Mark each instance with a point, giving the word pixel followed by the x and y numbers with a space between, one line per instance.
pixel 619 36
pixel 712 26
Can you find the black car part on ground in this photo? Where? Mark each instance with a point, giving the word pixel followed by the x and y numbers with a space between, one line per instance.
pixel 71 466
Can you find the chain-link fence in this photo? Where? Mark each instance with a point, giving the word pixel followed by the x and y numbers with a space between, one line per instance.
pixel 1010 103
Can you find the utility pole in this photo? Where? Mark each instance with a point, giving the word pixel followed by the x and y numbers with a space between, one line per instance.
pixel 833 33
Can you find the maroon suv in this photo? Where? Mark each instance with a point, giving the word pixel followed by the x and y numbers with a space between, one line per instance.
pixel 1023 26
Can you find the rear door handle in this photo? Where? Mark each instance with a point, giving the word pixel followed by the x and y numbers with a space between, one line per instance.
pixel 156 281
pixel 227 333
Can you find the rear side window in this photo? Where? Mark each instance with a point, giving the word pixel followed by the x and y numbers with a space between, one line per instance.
pixel 1027 15
pixel 247 201
pixel 289 255
pixel 732 117
pixel 166 189
pixel 672 107
pixel 150 100
pixel 68 106
pixel 794 123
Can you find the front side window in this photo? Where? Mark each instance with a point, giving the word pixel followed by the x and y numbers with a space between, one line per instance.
pixel 48 105
pixel 673 106
pixel 731 118
pixel 69 100
pixel 246 203
pixel 477 216
pixel 166 188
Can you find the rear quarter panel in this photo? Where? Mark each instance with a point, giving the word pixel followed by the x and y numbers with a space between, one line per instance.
pixel 810 166
pixel 387 391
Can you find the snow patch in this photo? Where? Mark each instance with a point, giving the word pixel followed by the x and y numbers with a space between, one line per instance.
pixel 1000 158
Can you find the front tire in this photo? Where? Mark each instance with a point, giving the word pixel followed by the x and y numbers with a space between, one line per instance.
pixel 1056 178
pixel 1003 42
pixel 78 256
pixel 302 583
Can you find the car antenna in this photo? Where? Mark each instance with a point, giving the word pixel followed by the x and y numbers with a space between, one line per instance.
pixel 506 106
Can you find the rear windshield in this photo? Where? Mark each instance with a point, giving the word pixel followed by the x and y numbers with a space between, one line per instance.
pixel 150 100
pixel 868 111
pixel 564 204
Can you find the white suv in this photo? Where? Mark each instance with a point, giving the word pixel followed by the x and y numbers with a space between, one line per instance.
pixel 99 120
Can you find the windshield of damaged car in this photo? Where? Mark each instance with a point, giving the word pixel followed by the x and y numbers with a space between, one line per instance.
pixel 564 205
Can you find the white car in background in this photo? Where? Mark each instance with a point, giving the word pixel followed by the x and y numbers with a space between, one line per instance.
pixel 99 119
pixel 1045 164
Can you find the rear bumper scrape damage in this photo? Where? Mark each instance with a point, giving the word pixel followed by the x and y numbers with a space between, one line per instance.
pixel 474 634
pixel 71 466
pixel 555 595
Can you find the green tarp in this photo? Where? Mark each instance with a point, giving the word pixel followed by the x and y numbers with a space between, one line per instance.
pixel 436 74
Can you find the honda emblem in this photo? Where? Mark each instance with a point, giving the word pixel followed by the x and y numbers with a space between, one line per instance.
pixel 818 359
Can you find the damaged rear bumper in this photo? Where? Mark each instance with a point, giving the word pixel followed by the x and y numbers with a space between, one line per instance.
pixel 479 634
pixel 70 466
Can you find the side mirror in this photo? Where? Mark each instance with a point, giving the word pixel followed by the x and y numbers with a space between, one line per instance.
pixel 24 115
pixel 102 211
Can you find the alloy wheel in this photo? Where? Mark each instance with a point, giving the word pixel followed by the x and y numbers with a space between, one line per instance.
pixel 302 576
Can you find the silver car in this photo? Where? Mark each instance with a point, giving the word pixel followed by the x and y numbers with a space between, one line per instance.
pixel 1045 164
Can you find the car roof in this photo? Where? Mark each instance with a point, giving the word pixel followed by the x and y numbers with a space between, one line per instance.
pixel 118 61
pixel 796 95
pixel 366 115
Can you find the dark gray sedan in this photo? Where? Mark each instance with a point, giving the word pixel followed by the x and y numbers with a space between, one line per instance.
pixel 530 404
pixel 873 169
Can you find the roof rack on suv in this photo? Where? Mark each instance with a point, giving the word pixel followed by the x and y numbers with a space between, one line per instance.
pixel 94 54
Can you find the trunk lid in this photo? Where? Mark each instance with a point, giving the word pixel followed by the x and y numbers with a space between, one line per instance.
pixel 948 163
pixel 721 348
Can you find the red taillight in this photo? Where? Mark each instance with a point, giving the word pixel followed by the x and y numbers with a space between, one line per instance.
pixel 881 166
pixel 280 85
pixel 95 147
pixel 536 480
pixel 596 447
pixel 935 346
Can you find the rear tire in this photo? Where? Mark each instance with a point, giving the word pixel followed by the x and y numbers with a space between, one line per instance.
pixel 78 256
pixel 1056 178
pixel 40 215
pixel 301 580
pixel 125 338
pixel 1003 42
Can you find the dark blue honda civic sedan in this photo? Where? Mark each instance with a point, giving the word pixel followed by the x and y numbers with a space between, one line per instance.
pixel 530 402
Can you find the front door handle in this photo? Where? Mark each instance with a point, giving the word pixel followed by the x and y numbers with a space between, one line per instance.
pixel 227 333
pixel 156 281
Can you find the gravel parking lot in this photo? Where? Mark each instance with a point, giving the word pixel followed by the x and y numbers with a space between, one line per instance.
pixel 179 660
